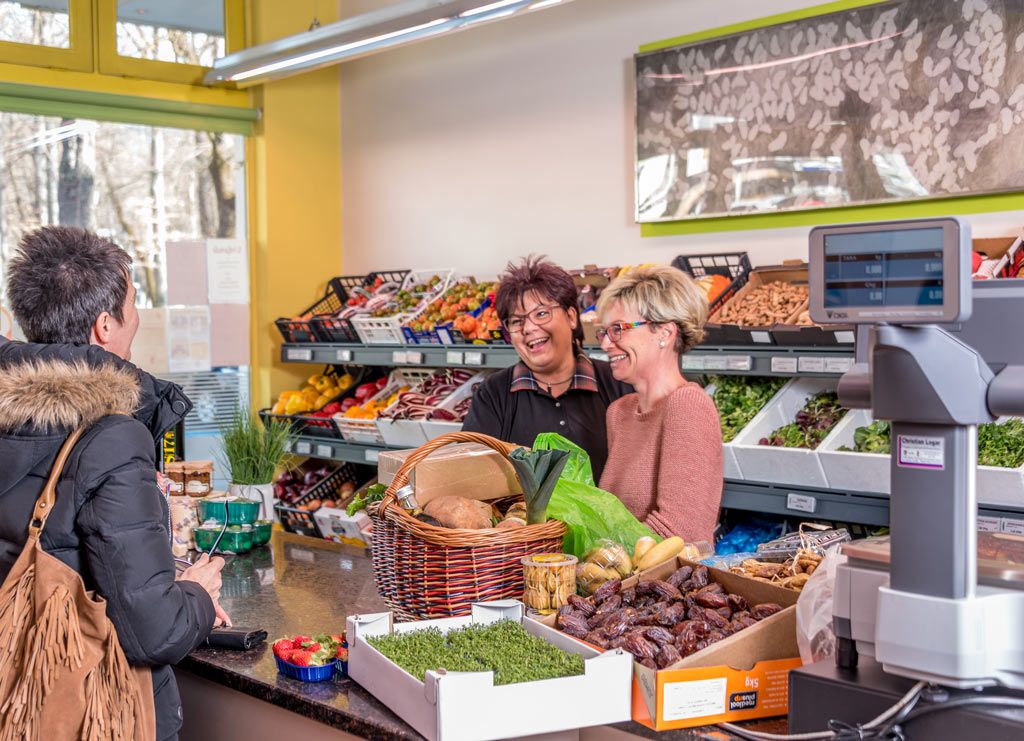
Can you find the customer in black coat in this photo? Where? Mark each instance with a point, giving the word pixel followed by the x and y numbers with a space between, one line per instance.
pixel 110 521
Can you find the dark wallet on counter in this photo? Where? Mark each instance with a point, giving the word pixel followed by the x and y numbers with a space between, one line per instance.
pixel 238 639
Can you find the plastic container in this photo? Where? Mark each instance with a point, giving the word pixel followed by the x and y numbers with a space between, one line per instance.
pixel 307 673
pixel 388 330
pixel 733 265
pixel 299 328
pixel 336 329
pixel 849 470
pixel 237 539
pixel 367 431
pixel 405 433
pixel 261 532
pixel 791 466
pixel 548 581
pixel 435 428
pixel 732 469
pixel 239 511
pixel 786 547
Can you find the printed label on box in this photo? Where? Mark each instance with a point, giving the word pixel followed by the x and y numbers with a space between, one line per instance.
pixel 783 365
pixel 694 699
pixel 915 451
pixel 988 524
pixel 1012 526
pixel 742 701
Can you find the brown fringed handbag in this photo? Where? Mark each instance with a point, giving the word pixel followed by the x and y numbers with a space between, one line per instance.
pixel 63 674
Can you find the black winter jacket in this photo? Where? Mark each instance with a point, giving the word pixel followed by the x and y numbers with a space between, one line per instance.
pixel 110 521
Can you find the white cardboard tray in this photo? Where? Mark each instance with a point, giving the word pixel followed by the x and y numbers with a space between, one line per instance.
pixel 465 706
pixel 791 466
pixel 852 471
pixel 432 428
pixel 732 466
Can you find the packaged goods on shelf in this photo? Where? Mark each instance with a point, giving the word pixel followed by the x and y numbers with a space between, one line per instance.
pixel 685 650
pixel 785 465
pixel 738 400
pixel 359 423
pixel 465 704
pixel 383 325
pixel 808 538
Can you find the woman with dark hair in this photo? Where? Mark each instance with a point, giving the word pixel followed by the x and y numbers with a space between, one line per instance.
pixel 555 387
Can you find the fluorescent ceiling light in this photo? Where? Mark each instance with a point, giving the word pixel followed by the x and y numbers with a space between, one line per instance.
pixel 487 8
pixel 394 25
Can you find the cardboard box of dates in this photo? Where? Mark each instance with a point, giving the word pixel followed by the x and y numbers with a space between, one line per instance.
pixel 713 669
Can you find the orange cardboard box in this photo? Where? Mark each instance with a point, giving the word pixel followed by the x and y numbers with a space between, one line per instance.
pixel 744 677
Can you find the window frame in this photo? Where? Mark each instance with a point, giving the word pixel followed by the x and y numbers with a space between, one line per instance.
pixel 109 62
pixel 79 54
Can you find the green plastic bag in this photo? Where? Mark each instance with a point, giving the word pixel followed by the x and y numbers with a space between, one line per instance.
pixel 589 513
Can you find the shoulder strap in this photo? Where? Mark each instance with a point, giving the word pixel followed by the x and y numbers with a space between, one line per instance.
pixel 44 505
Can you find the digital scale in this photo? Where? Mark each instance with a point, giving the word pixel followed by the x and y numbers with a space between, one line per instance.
pixel 937 355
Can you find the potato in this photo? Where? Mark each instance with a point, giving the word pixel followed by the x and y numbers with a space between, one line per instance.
pixel 460 512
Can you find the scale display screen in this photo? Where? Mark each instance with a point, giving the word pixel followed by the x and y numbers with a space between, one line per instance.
pixel 901 268
pixel 900 272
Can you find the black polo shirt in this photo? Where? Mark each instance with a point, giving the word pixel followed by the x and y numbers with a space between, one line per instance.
pixel 512 406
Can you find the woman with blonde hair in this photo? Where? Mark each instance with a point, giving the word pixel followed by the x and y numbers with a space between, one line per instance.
pixel 664 440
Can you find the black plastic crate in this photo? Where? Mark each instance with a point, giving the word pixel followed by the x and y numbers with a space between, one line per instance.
pixel 733 265
pixel 301 522
pixel 301 330
pixel 334 329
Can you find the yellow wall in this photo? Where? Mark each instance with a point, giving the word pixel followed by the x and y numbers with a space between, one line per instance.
pixel 294 194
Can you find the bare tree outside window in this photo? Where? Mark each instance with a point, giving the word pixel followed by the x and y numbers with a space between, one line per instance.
pixel 142 186
pixel 186 32
pixel 24 24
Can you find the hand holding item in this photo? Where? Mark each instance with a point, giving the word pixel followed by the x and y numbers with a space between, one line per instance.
pixel 206 573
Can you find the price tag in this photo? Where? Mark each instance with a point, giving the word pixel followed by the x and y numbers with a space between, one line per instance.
pixel 693 362
pixel 782 364
pixel 1010 525
pixel 343 356
pixel 738 362
pixel 303 448
pixel 399 357
pixel 715 363
pixel 414 358
pixel 838 365
pixel 801 503
pixel 761 338
pixel 811 365
pixel 300 354
pixel 846 337
pixel 453 358
pixel 988 524
pixel 324 451
pixel 474 358
pixel 372 456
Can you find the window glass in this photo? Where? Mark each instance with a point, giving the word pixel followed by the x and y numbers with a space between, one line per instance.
pixel 183 31
pixel 141 186
pixel 39 22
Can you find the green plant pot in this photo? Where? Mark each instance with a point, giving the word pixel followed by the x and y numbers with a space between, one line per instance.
pixel 261 531
pixel 236 539
pixel 240 511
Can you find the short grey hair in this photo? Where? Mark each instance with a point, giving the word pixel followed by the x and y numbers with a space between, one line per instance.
pixel 662 295
pixel 61 278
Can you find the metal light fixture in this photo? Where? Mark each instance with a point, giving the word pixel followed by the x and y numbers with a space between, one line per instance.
pixel 395 25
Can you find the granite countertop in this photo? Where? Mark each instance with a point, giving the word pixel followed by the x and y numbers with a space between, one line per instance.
pixel 299 584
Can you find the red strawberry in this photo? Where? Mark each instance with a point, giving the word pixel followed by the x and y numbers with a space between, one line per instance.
pixel 298 641
pixel 312 647
pixel 300 657
pixel 283 648
pixel 341 653
pixel 337 638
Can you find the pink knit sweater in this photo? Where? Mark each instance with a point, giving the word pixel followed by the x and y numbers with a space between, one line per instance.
pixel 666 464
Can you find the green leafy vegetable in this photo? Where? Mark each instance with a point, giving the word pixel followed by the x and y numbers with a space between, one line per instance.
pixel 504 647
pixel 538 472
pixel 1001 445
pixel 872 438
pixel 739 399
pixel 820 414
pixel 361 501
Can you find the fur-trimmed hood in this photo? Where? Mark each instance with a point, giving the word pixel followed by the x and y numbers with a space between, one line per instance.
pixel 55 394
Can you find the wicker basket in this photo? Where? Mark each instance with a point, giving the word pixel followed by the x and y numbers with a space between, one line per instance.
pixel 425 572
